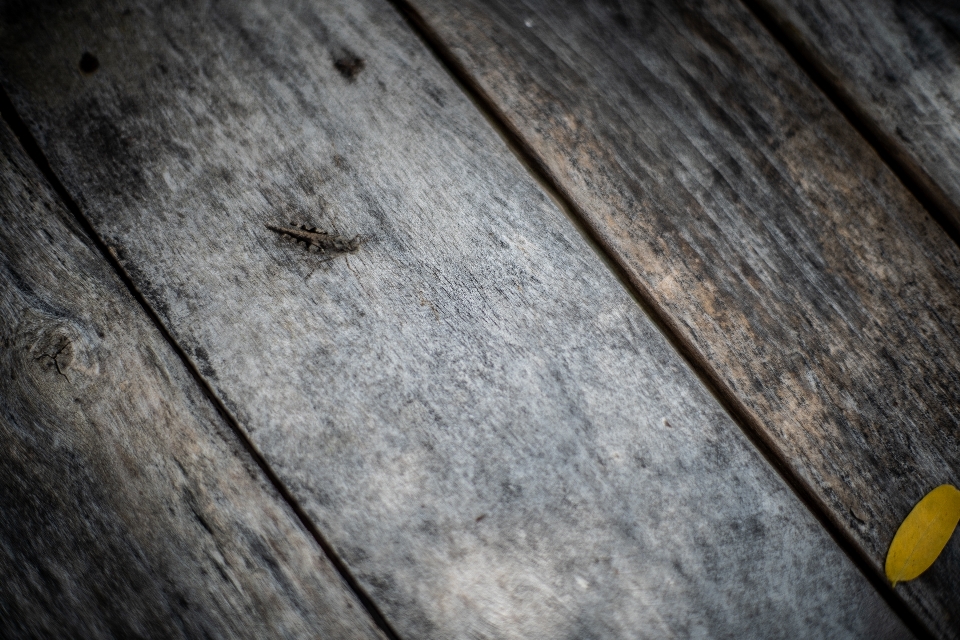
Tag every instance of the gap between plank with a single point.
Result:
(931, 197)
(705, 372)
(9, 114)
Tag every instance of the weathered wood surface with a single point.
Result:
(782, 252)
(478, 416)
(128, 508)
(894, 65)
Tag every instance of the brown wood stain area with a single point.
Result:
(893, 68)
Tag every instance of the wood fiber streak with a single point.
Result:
(128, 509)
(476, 414)
(895, 65)
(800, 272)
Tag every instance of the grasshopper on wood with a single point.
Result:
(325, 242)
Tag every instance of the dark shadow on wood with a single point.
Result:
(9, 114)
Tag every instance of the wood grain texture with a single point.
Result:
(804, 278)
(894, 65)
(475, 412)
(128, 509)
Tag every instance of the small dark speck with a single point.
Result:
(89, 63)
(480, 517)
(666, 423)
(349, 66)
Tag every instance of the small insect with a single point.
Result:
(326, 242)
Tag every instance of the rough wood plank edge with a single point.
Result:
(29, 144)
(705, 371)
(913, 176)
(876, 575)
(218, 552)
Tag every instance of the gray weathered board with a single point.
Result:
(796, 268)
(477, 415)
(895, 65)
(128, 508)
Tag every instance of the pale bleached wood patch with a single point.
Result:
(800, 272)
(476, 413)
(128, 508)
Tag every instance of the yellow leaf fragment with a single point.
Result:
(923, 534)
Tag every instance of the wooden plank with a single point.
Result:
(893, 67)
(129, 508)
(493, 436)
(804, 279)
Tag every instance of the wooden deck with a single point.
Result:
(651, 328)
